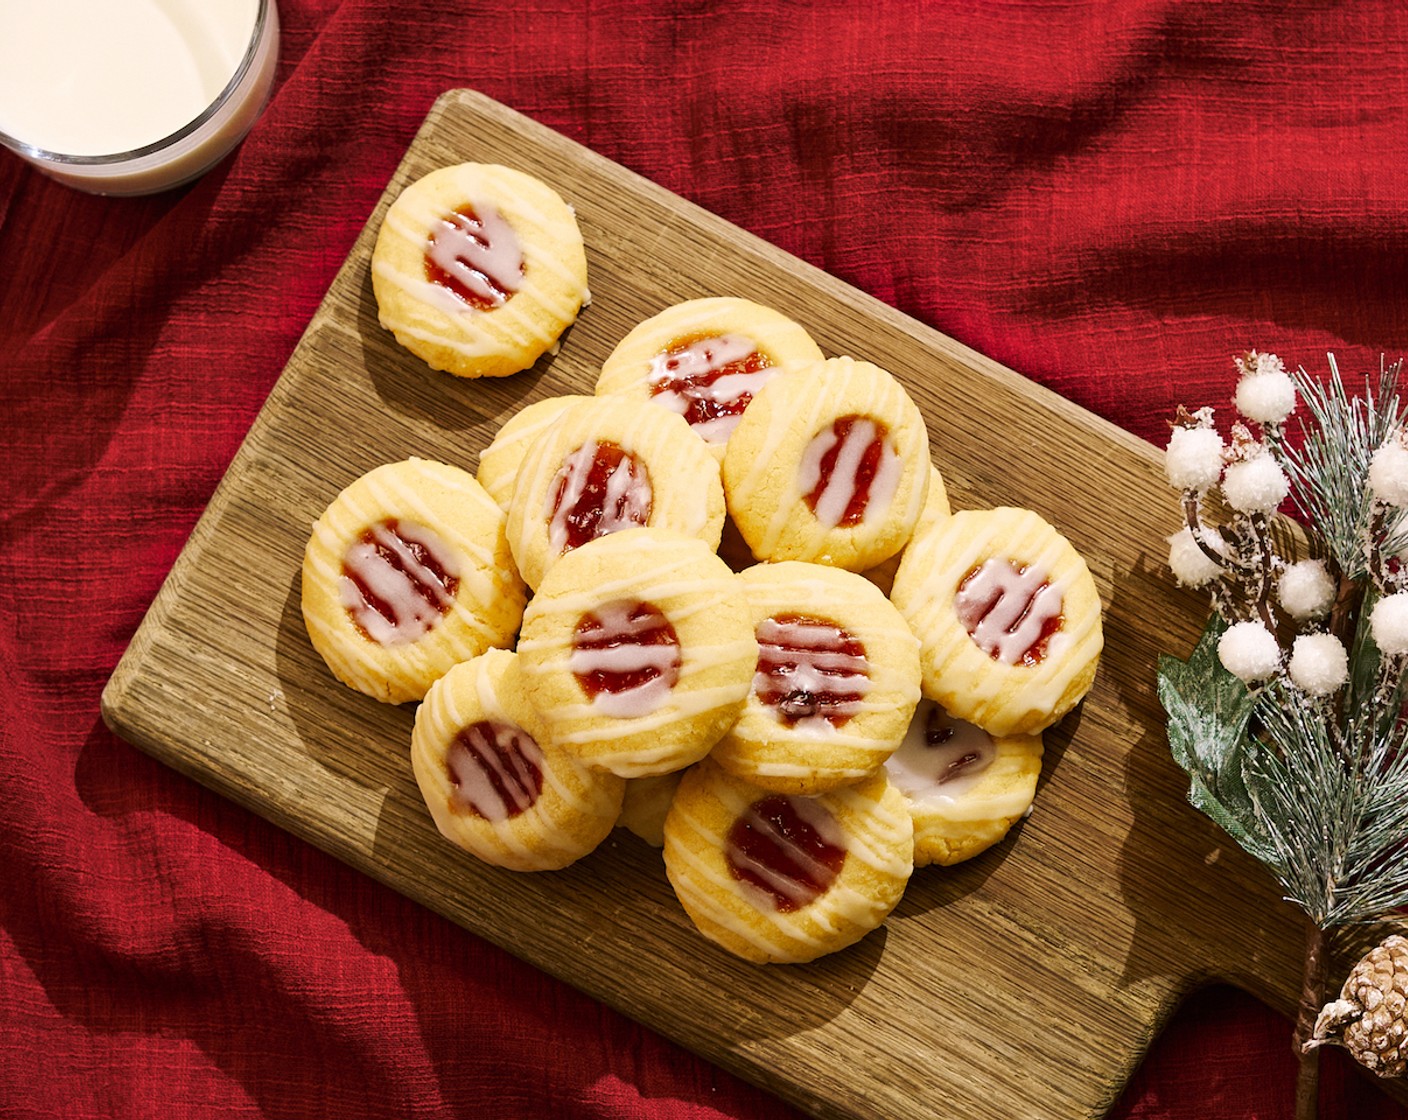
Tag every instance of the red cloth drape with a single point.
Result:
(1109, 198)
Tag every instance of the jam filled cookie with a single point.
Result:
(494, 783)
(608, 464)
(779, 879)
(829, 464)
(499, 462)
(406, 573)
(936, 508)
(1007, 616)
(706, 359)
(647, 801)
(478, 269)
(965, 788)
(836, 682)
(638, 652)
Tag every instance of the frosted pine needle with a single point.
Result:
(1288, 718)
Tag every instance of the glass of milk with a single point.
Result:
(129, 97)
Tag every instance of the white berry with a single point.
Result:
(1389, 623)
(1319, 664)
(1255, 485)
(1388, 473)
(1306, 590)
(1248, 650)
(1194, 459)
(1267, 398)
(1191, 566)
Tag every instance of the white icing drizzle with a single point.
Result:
(944, 558)
(707, 886)
(877, 840)
(840, 489)
(481, 253)
(658, 588)
(941, 758)
(681, 499)
(698, 360)
(399, 490)
(1005, 609)
(775, 880)
(563, 777)
(414, 592)
(884, 484)
(671, 575)
(803, 656)
(492, 766)
(681, 705)
(625, 505)
(411, 219)
(815, 413)
(509, 323)
(629, 656)
(779, 769)
(499, 462)
(663, 570)
(550, 827)
(394, 490)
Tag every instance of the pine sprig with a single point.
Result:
(1326, 814)
(1327, 472)
(1321, 800)
(1288, 717)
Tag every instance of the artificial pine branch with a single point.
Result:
(1328, 472)
(1289, 716)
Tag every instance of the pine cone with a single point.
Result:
(1370, 1019)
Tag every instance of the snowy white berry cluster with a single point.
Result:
(1264, 597)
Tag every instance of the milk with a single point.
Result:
(82, 82)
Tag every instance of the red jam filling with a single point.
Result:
(396, 582)
(495, 770)
(1010, 612)
(625, 647)
(787, 847)
(810, 668)
(599, 489)
(852, 453)
(713, 376)
(475, 256)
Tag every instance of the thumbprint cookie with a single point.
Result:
(406, 573)
(836, 682)
(478, 269)
(494, 783)
(780, 879)
(608, 464)
(647, 801)
(936, 508)
(965, 788)
(637, 651)
(829, 464)
(499, 462)
(1007, 616)
(705, 359)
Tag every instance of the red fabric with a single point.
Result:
(1109, 198)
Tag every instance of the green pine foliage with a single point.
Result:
(1327, 471)
(1315, 788)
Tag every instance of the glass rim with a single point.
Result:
(256, 39)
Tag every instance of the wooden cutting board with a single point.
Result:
(1027, 982)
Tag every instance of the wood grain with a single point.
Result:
(1027, 982)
